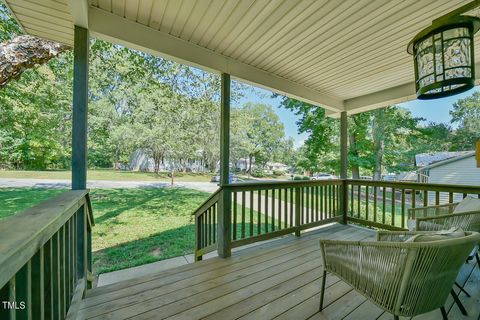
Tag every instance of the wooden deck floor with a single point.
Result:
(279, 279)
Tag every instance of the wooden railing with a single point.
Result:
(206, 226)
(265, 210)
(45, 258)
(385, 205)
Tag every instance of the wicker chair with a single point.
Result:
(399, 276)
(441, 217)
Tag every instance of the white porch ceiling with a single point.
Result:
(343, 55)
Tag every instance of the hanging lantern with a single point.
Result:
(444, 58)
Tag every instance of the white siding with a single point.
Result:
(461, 172)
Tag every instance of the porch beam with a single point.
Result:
(118, 30)
(79, 11)
(225, 202)
(80, 108)
(402, 93)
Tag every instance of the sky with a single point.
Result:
(432, 110)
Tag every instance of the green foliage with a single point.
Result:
(258, 133)
(301, 178)
(466, 114)
(9, 28)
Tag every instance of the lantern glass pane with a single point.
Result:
(427, 80)
(423, 44)
(456, 52)
(458, 73)
(425, 62)
(438, 57)
(455, 33)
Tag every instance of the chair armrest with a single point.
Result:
(431, 210)
(465, 220)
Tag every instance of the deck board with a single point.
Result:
(279, 279)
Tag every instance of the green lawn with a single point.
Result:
(133, 226)
(104, 174)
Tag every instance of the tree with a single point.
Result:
(321, 148)
(21, 52)
(257, 133)
(466, 114)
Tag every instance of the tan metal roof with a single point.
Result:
(344, 55)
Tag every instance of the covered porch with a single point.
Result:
(275, 280)
(308, 50)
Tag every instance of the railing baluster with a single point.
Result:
(450, 197)
(23, 291)
(285, 208)
(317, 212)
(437, 198)
(322, 211)
(259, 210)
(351, 186)
(273, 210)
(266, 210)
(215, 222)
(366, 201)
(359, 201)
(375, 204)
(306, 205)
(298, 210)
(393, 206)
(209, 215)
(63, 272)
(243, 214)
(56, 276)
(291, 208)
(234, 203)
(251, 213)
(384, 203)
(425, 198)
(279, 209)
(37, 274)
(403, 208)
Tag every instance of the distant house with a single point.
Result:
(458, 170)
(276, 166)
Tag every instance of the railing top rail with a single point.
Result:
(207, 203)
(22, 235)
(417, 186)
(283, 184)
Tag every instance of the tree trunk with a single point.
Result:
(354, 152)
(250, 159)
(25, 52)
(378, 132)
(380, 148)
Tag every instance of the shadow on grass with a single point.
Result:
(110, 203)
(15, 200)
(160, 246)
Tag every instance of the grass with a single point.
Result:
(133, 226)
(105, 174)
(14, 200)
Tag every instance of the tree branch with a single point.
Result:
(25, 52)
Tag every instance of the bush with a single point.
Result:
(301, 178)
(278, 173)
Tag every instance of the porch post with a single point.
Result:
(79, 142)
(343, 165)
(225, 203)
(80, 101)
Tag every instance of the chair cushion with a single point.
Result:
(468, 204)
(439, 235)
